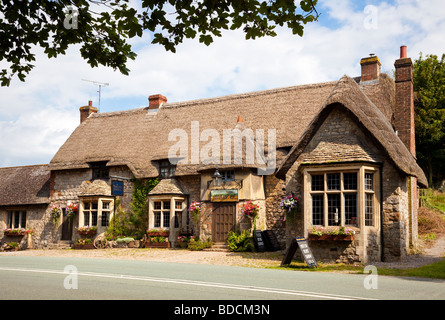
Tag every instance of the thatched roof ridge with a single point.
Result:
(348, 95)
(25, 185)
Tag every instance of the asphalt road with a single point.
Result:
(105, 279)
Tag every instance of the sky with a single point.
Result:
(37, 116)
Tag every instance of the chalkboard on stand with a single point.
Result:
(302, 244)
(271, 241)
(259, 243)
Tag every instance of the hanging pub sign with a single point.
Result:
(117, 188)
(224, 195)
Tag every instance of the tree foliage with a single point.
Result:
(429, 86)
(103, 27)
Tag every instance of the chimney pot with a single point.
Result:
(403, 52)
(155, 101)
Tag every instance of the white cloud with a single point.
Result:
(36, 117)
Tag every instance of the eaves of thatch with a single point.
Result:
(27, 185)
(349, 96)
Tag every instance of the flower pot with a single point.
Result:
(330, 237)
(83, 246)
(149, 244)
(183, 244)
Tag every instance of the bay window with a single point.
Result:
(95, 211)
(340, 196)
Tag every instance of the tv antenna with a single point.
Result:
(100, 84)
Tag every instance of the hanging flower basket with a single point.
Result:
(71, 211)
(55, 213)
(195, 210)
(251, 210)
(290, 205)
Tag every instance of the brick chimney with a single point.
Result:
(370, 68)
(86, 111)
(155, 101)
(404, 108)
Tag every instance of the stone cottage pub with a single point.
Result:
(345, 148)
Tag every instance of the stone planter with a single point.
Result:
(330, 237)
(164, 245)
(83, 246)
(12, 249)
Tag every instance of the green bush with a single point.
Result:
(239, 241)
(196, 244)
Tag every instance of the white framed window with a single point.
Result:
(341, 196)
(96, 212)
(16, 219)
(167, 212)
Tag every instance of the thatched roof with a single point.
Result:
(24, 185)
(167, 186)
(349, 96)
(138, 138)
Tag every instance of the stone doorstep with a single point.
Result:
(61, 244)
(219, 246)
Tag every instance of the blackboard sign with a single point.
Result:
(302, 244)
(271, 241)
(259, 243)
(117, 188)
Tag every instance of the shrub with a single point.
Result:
(196, 245)
(239, 241)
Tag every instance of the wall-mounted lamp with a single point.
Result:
(217, 178)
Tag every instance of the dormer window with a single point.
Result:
(166, 169)
(100, 170)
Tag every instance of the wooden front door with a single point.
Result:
(223, 220)
(67, 227)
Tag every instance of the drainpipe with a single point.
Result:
(382, 238)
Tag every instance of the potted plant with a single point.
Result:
(11, 246)
(195, 209)
(55, 213)
(158, 232)
(183, 241)
(251, 210)
(87, 231)
(83, 244)
(128, 241)
(157, 242)
(18, 232)
(341, 234)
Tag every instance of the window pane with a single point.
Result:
(317, 182)
(351, 209)
(369, 210)
(23, 219)
(166, 219)
(87, 206)
(369, 181)
(166, 205)
(317, 210)
(178, 205)
(86, 218)
(106, 205)
(16, 219)
(157, 205)
(157, 222)
(105, 219)
(94, 218)
(334, 209)
(94, 205)
(333, 181)
(9, 220)
(350, 181)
